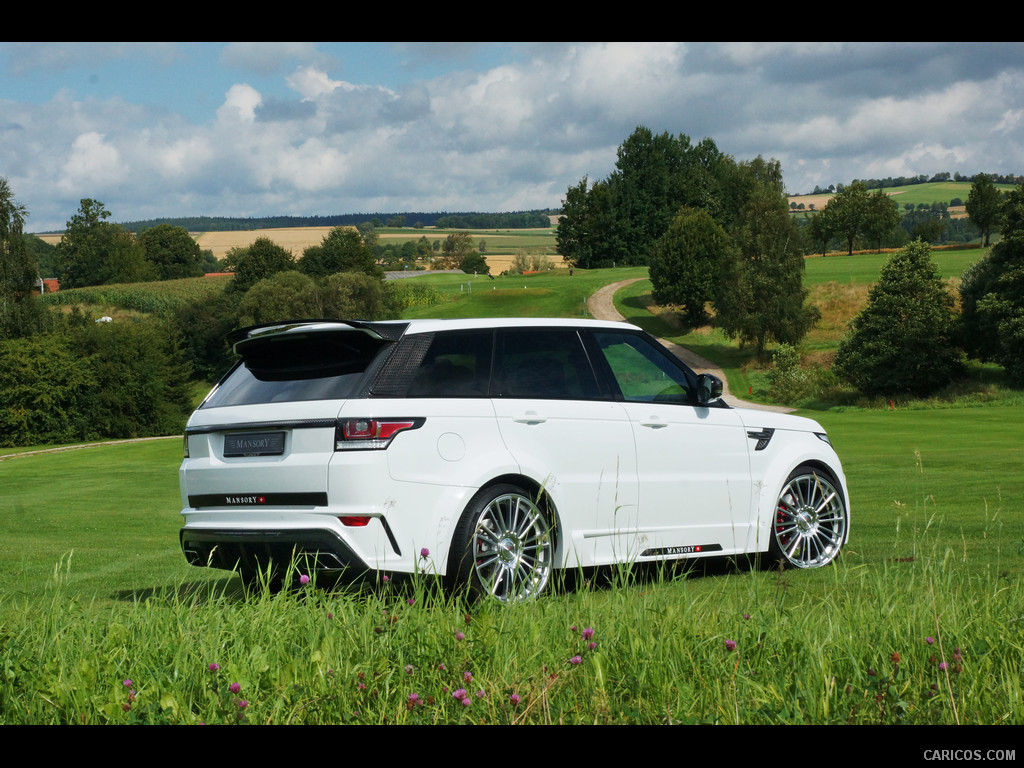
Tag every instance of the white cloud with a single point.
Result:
(93, 162)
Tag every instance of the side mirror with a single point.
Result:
(709, 388)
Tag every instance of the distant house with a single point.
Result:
(47, 285)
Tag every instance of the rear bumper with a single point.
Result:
(252, 550)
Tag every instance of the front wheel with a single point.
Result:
(810, 520)
(504, 546)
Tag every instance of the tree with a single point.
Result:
(456, 247)
(992, 296)
(904, 341)
(761, 296)
(356, 295)
(263, 259)
(686, 261)
(95, 252)
(343, 249)
(881, 217)
(287, 295)
(20, 312)
(475, 263)
(846, 212)
(172, 252)
(617, 220)
(984, 206)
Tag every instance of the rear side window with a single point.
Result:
(543, 363)
(296, 367)
(457, 364)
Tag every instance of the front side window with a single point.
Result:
(643, 372)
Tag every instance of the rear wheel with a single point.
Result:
(810, 520)
(504, 546)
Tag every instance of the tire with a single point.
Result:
(504, 546)
(811, 520)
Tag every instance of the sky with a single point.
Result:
(257, 129)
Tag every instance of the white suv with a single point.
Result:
(491, 452)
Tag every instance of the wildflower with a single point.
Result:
(467, 676)
(441, 667)
(303, 579)
(746, 616)
(730, 645)
(243, 704)
(480, 694)
(459, 694)
(588, 633)
(424, 552)
(126, 707)
(127, 683)
(385, 579)
(408, 669)
(412, 601)
(895, 658)
(214, 667)
(943, 666)
(413, 698)
(467, 701)
(576, 660)
(592, 645)
(514, 698)
(930, 640)
(330, 615)
(234, 687)
(573, 627)
(956, 655)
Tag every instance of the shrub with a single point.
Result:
(903, 342)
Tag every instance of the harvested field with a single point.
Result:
(294, 239)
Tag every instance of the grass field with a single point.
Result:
(97, 593)
(920, 620)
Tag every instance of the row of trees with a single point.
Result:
(94, 251)
(64, 378)
(713, 231)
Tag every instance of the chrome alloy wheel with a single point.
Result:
(512, 548)
(810, 520)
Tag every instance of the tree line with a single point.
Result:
(415, 219)
(714, 232)
(721, 246)
(65, 377)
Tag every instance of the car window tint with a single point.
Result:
(457, 364)
(547, 363)
(642, 371)
(285, 368)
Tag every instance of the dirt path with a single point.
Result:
(602, 307)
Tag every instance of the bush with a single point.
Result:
(904, 341)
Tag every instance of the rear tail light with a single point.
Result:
(370, 434)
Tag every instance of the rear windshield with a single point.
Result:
(291, 367)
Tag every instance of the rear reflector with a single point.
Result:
(354, 521)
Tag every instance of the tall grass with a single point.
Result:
(910, 641)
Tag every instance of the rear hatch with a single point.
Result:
(265, 435)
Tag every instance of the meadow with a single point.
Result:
(921, 621)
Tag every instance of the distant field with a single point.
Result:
(915, 194)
